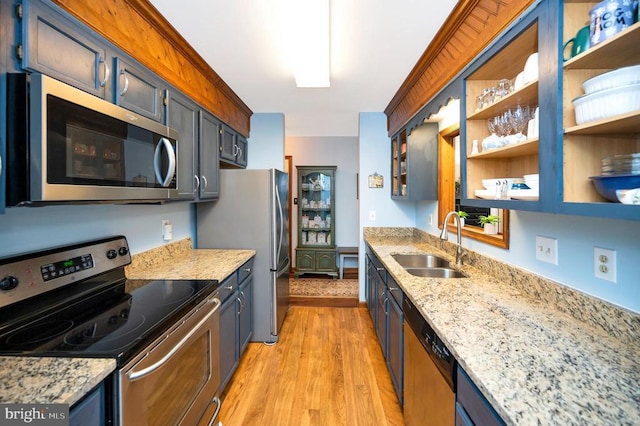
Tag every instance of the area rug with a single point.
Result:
(323, 287)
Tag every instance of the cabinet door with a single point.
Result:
(208, 158)
(228, 146)
(138, 89)
(59, 47)
(305, 260)
(182, 115)
(228, 341)
(242, 153)
(369, 291)
(381, 313)
(245, 313)
(326, 261)
(395, 356)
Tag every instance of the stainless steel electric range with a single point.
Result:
(75, 301)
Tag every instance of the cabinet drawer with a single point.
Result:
(245, 270)
(228, 287)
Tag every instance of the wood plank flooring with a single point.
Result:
(326, 369)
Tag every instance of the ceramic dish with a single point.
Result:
(524, 194)
(485, 194)
(629, 196)
(616, 78)
(607, 103)
(608, 185)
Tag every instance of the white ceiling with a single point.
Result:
(375, 44)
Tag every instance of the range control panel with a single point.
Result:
(27, 275)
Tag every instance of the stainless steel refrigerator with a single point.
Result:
(253, 213)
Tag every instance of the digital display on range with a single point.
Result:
(51, 271)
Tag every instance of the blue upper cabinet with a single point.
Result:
(53, 44)
(502, 91)
(566, 149)
(606, 122)
(138, 89)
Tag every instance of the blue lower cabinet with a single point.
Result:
(472, 408)
(90, 411)
(236, 320)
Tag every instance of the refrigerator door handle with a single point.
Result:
(279, 204)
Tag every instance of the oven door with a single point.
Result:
(176, 378)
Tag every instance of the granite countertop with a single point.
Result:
(66, 380)
(31, 380)
(541, 353)
(178, 261)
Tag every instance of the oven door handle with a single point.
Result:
(135, 375)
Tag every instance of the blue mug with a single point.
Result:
(610, 17)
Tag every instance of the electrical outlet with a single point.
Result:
(604, 264)
(167, 230)
(547, 249)
(372, 215)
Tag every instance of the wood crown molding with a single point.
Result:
(140, 30)
(469, 28)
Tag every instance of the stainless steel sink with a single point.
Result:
(420, 261)
(436, 272)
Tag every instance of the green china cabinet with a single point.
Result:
(316, 250)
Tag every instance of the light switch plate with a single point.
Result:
(547, 249)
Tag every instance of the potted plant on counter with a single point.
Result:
(489, 223)
(462, 215)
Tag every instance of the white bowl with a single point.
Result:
(531, 68)
(607, 103)
(609, 80)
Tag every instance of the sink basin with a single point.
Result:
(420, 261)
(436, 272)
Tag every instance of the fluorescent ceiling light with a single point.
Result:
(304, 27)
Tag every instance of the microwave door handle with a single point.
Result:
(135, 375)
(171, 155)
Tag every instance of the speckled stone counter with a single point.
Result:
(25, 380)
(179, 261)
(540, 352)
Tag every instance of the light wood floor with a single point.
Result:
(326, 369)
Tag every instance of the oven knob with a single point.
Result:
(111, 254)
(123, 251)
(8, 283)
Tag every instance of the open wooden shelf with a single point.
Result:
(528, 147)
(525, 96)
(620, 50)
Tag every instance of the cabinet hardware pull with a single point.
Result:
(247, 270)
(379, 269)
(197, 182)
(107, 72)
(229, 287)
(19, 11)
(215, 400)
(204, 181)
(19, 52)
(150, 369)
(126, 82)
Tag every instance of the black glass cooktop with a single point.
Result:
(116, 321)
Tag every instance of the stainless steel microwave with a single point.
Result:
(65, 145)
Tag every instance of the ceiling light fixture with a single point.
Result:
(304, 27)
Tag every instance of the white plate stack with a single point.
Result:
(532, 181)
